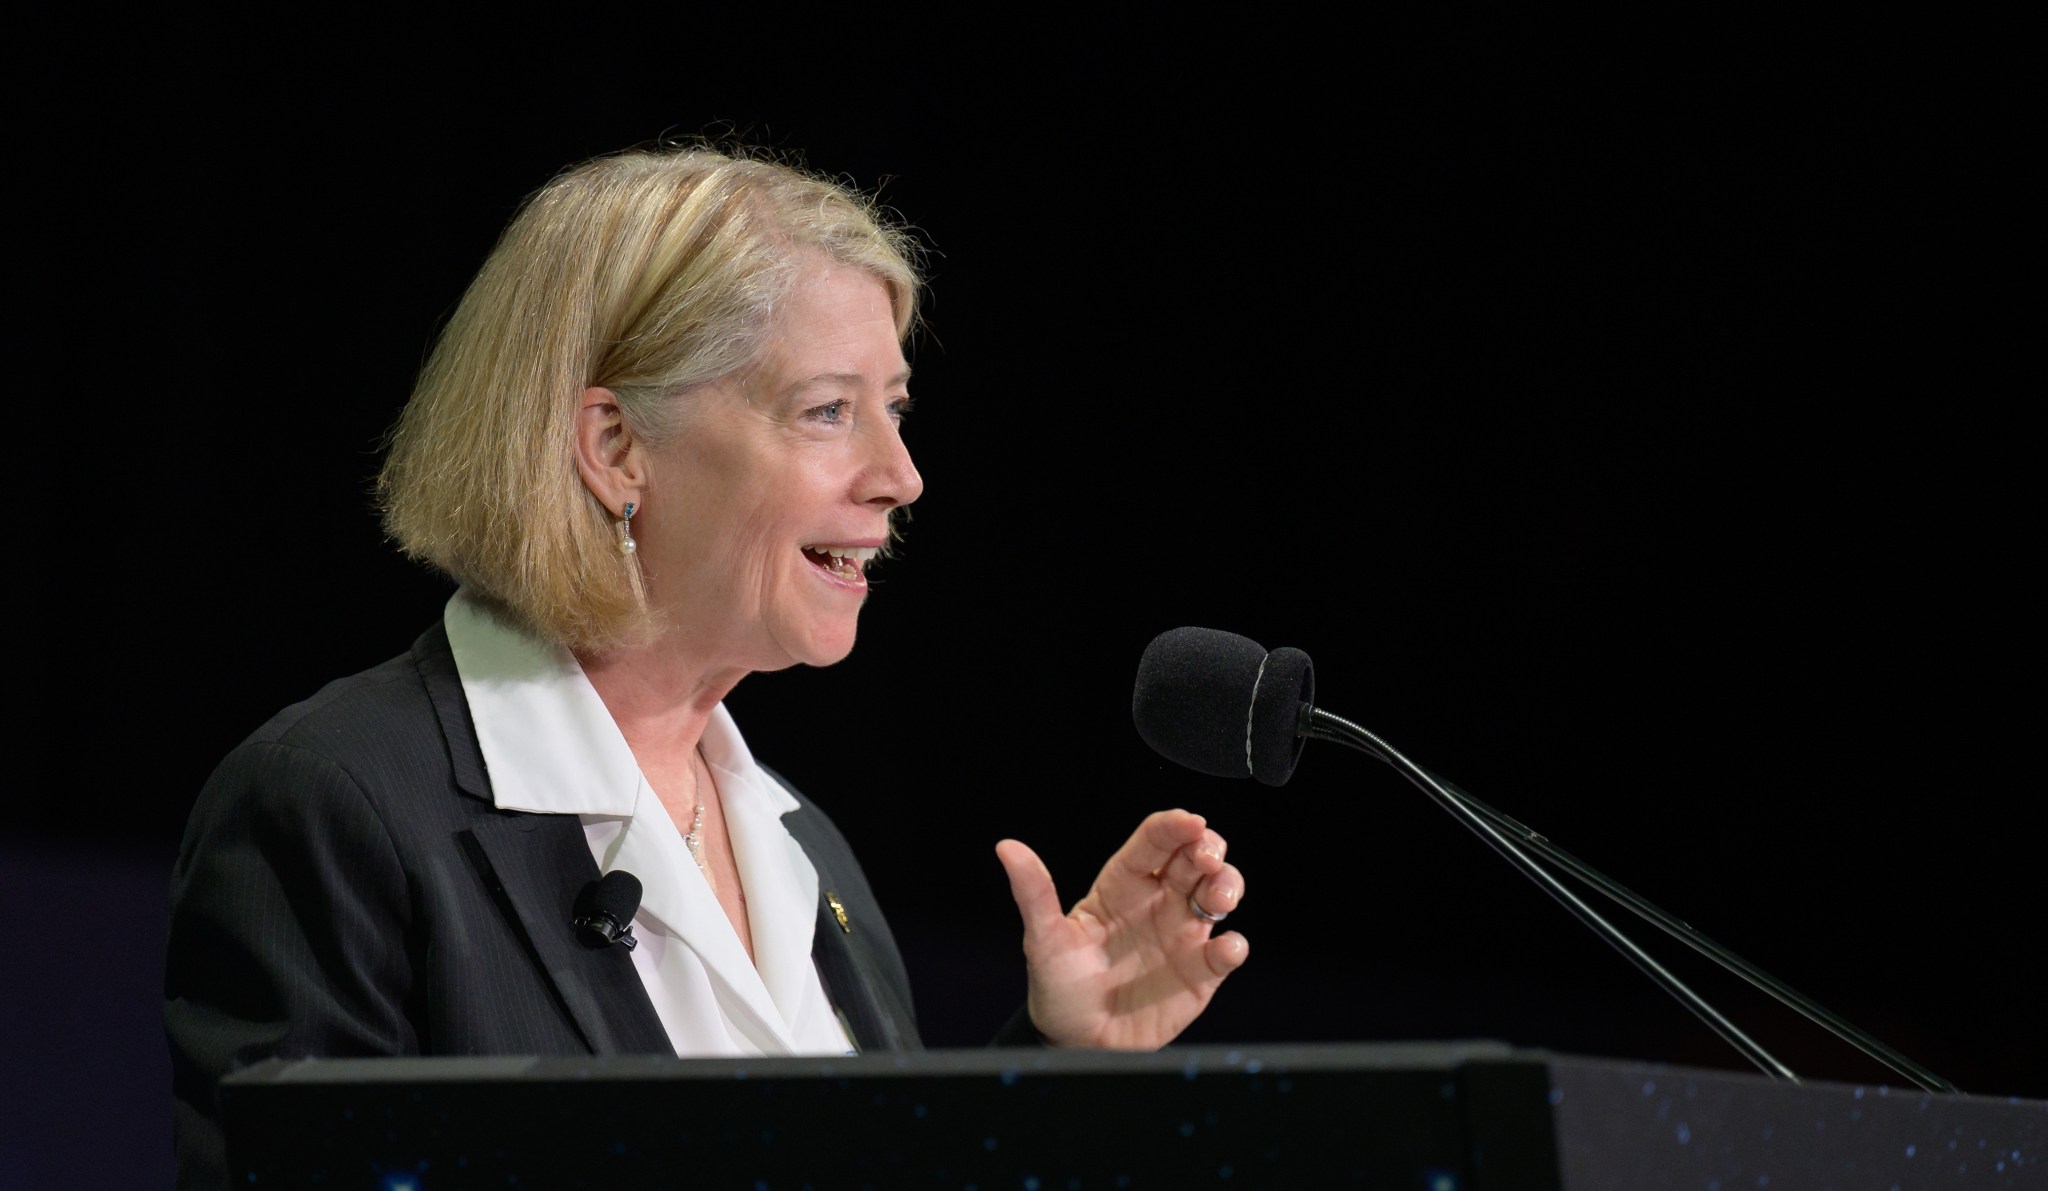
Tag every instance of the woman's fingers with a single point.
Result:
(1173, 852)
(1226, 953)
(1194, 870)
(1031, 885)
(1194, 862)
(1220, 892)
(1155, 843)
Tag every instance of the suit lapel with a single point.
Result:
(539, 864)
(873, 1012)
(536, 865)
(844, 948)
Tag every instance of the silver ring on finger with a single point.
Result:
(1204, 915)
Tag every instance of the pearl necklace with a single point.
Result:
(695, 839)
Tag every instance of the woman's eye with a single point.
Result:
(833, 412)
(901, 407)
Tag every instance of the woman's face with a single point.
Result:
(760, 515)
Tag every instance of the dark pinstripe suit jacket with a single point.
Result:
(347, 887)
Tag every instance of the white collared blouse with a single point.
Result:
(551, 747)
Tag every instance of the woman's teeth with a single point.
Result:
(845, 561)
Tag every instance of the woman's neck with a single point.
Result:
(660, 702)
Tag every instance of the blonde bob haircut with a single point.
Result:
(648, 273)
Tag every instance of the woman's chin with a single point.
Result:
(819, 646)
(832, 655)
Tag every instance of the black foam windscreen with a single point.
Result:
(616, 895)
(1220, 704)
(1289, 681)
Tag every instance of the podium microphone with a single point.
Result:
(1223, 705)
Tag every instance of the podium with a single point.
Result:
(1474, 1116)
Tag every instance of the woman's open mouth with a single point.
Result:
(845, 563)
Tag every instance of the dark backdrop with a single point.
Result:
(1624, 419)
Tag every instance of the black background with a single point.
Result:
(1629, 421)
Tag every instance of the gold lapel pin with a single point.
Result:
(838, 911)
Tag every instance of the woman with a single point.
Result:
(658, 445)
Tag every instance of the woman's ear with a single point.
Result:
(612, 460)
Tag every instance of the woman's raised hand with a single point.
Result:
(1135, 960)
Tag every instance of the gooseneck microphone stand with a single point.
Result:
(1497, 829)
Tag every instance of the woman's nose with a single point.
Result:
(890, 478)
